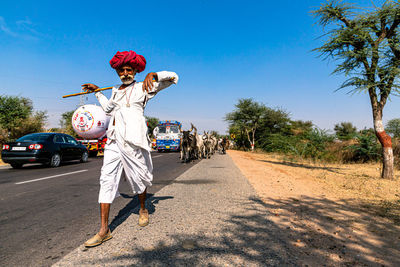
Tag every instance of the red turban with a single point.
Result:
(128, 57)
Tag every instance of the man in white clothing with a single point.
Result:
(128, 146)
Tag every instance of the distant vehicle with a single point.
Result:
(168, 135)
(46, 148)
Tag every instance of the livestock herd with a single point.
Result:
(197, 146)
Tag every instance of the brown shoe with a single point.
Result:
(143, 218)
(97, 240)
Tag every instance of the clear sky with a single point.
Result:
(222, 51)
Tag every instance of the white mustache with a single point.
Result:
(127, 77)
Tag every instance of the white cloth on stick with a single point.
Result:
(128, 145)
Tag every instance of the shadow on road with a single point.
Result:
(133, 208)
(188, 182)
(290, 232)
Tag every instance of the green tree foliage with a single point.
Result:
(13, 110)
(18, 119)
(33, 124)
(66, 123)
(300, 127)
(152, 123)
(393, 127)
(277, 132)
(248, 116)
(345, 130)
(240, 137)
(366, 149)
(365, 43)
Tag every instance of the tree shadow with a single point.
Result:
(302, 165)
(133, 208)
(280, 232)
(188, 182)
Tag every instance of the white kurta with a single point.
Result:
(128, 145)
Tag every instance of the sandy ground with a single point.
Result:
(343, 213)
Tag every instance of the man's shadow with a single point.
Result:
(133, 207)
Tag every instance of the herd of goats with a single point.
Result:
(196, 146)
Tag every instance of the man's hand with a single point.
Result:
(89, 87)
(148, 81)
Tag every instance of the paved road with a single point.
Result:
(47, 212)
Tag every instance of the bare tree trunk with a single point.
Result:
(251, 142)
(387, 150)
(252, 145)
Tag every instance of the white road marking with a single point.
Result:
(50, 177)
(157, 156)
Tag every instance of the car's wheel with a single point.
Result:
(55, 160)
(16, 165)
(85, 156)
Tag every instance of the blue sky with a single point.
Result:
(222, 51)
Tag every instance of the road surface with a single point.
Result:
(47, 212)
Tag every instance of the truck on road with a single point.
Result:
(168, 135)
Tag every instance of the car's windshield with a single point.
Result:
(34, 137)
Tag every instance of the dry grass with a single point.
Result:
(342, 181)
(344, 214)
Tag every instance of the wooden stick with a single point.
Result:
(89, 92)
(101, 89)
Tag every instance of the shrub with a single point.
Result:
(365, 149)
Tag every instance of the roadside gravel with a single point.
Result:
(210, 215)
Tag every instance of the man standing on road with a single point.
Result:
(128, 146)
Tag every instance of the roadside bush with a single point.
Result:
(338, 151)
(365, 149)
(310, 145)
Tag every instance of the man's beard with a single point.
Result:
(127, 79)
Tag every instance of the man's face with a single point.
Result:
(127, 74)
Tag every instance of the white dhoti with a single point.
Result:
(134, 161)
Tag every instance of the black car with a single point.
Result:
(46, 148)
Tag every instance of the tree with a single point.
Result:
(18, 119)
(152, 122)
(66, 123)
(393, 127)
(239, 136)
(248, 115)
(13, 111)
(366, 44)
(300, 127)
(33, 124)
(345, 131)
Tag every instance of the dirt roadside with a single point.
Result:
(344, 213)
